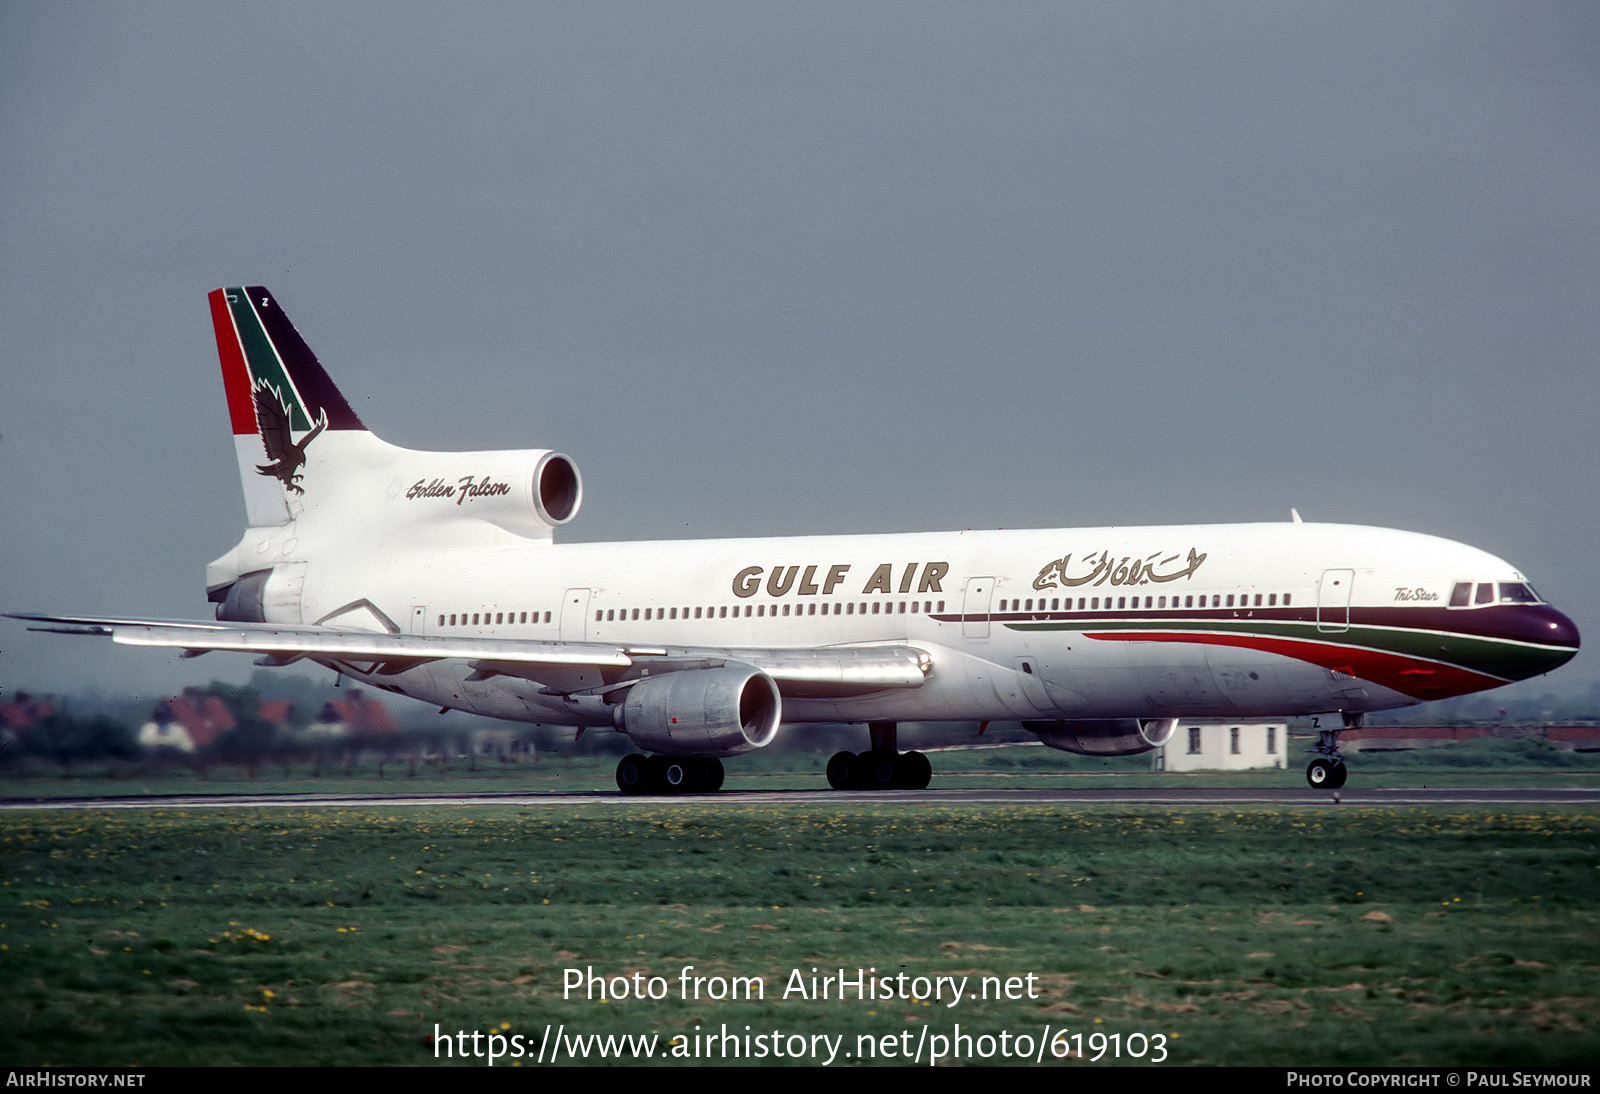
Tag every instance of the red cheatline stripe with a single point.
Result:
(235, 374)
(1411, 676)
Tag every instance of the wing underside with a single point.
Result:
(558, 667)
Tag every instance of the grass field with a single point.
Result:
(1316, 935)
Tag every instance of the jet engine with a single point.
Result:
(702, 712)
(1112, 737)
(528, 492)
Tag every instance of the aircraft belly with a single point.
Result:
(1084, 678)
(1260, 683)
(1176, 679)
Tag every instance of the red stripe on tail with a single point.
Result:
(235, 374)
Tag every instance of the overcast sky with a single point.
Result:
(773, 269)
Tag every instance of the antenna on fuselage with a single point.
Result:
(1294, 515)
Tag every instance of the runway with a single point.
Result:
(1063, 798)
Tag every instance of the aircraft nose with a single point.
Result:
(1551, 629)
(1563, 631)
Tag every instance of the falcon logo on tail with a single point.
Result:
(273, 419)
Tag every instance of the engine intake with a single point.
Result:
(702, 712)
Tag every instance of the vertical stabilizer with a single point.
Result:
(280, 400)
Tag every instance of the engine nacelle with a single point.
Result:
(1112, 737)
(528, 492)
(702, 712)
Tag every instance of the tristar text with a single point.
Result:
(888, 577)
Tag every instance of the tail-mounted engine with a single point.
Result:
(528, 492)
(702, 712)
(1112, 737)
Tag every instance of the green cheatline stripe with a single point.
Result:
(263, 359)
(1489, 656)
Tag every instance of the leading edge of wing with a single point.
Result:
(818, 671)
(278, 638)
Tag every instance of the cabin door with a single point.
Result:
(575, 615)
(1333, 600)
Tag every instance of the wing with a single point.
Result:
(559, 667)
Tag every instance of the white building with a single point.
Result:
(1223, 746)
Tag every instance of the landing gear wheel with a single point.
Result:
(633, 774)
(1339, 774)
(842, 768)
(710, 775)
(883, 770)
(917, 771)
(1321, 773)
(678, 775)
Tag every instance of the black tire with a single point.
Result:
(842, 770)
(710, 775)
(918, 771)
(633, 774)
(883, 770)
(656, 775)
(1320, 774)
(1339, 775)
(678, 775)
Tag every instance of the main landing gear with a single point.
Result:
(1326, 771)
(638, 774)
(882, 768)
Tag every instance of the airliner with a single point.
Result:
(436, 575)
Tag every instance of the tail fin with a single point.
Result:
(279, 399)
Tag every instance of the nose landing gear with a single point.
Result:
(1327, 771)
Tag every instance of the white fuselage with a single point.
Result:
(1019, 623)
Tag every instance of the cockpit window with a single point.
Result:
(1461, 595)
(1515, 592)
(1485, 593)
